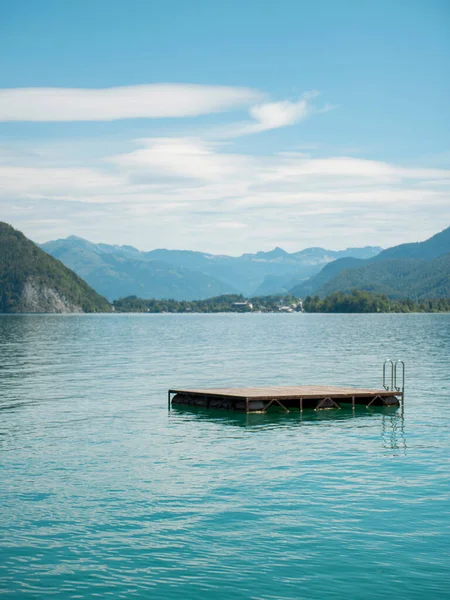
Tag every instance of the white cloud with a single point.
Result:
(191, 193)
(345, 168)
(191, 172)
(279, 114)
(33, 182)
(109, 104)
(181, 158)
(156, 101)
(273, 115)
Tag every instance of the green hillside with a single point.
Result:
(328, 272)
(33, 281)
(418, 271)
(435, 246)
(401, 278)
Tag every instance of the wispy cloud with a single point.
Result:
(273, 115)
(109, 104)
(199, 191)
(183, 158)
(186, 192)
(47, 182)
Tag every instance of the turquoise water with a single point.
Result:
(104, 493)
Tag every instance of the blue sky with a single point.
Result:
(225, 126)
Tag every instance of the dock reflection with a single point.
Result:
(280, 418)
(393, 431)
(392, 420)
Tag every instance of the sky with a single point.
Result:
(226, 127)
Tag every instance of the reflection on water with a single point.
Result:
(393, 431)
(391, 420)
(105, 493)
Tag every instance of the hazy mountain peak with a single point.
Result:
(277, 252)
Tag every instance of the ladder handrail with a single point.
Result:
(393, 365)
(387, 362)
(402, 389)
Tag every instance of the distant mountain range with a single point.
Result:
(119, 271)
(418, 271)
(32, 281)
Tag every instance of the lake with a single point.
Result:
(105, 493)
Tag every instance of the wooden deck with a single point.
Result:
(294, 397)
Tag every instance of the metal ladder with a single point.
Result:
(390, 376)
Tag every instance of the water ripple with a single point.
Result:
(104, 493)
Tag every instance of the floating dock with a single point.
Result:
(287, 398)
(317, 397)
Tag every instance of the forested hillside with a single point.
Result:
(402, 278)
(433, 247)
(415, 271)
(328, 272)
(33, 281)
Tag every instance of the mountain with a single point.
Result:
(276, 253)
(32, 281)
(419, 271)
(329, 271)
(309, 262)
(321, 253)
(397, 278)
(435, 246)
(118, 271)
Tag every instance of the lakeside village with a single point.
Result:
(247, 306)
(357, 301)
(226, 303)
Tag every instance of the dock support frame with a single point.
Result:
(373, 400)
(319, 405)
(278, 402)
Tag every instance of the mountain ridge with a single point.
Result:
(117, 271)
(418, 270)
(33, 281)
